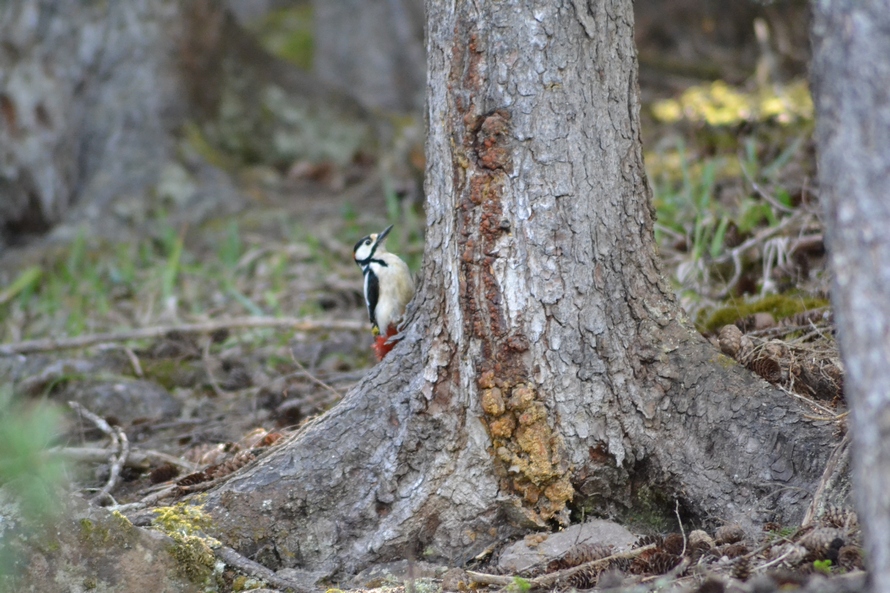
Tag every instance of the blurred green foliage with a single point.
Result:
(288, 33)
(686, 202)
(728, 166)
(26, 469)
(24, 282)
(29, 477)
(407, 236)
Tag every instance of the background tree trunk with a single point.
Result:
(545, 365)
(851, 76)
(74, 122)
(94, 96)
(372, 50)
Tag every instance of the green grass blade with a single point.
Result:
(26, 280)
(171, 267)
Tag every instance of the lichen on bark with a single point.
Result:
(526, 449)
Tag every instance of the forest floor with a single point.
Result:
(259, 325)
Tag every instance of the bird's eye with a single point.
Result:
(367, 241)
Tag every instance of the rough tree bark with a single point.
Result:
(851, 75)
(545, 364)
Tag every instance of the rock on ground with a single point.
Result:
(529, 551)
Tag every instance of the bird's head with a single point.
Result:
(365, 249)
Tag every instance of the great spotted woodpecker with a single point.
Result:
(388, 288)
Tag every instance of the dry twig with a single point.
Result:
(313, 378)
(547, 580)
(680, 523)
(205, 360)
(809, 401)
(255, 569)
(139, 459)
(769, 545)
(119, 441)
(145, 502)
(134, 361)
(293, 323)
(763, 194)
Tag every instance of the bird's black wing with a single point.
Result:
(372, 295)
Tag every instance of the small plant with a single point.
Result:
(23, 284)
(173, 245)
(25, 467)
(823, 566)
(29, 476)
(519, 585)
(231, 247)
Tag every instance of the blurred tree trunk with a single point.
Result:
(74, 122)
(546, 366)
(94, 97)
(851, 75)
(373, 50)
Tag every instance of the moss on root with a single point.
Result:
(192, 550)
(779, 306)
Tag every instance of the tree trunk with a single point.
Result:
(93, 97)
(851, 80)
(372, 50)
(73, 122)
(545, 366)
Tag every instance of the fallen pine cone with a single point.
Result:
(741, 570)
(163, 473)
(729, 534)
(850, 558)
(820, 540)
(768, 368)
(730, 340)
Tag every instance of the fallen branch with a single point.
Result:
(137, 459)
(145, 502)
(313, 378)
(293, 323)
(546, 580)
(119, 441)
(255, 569)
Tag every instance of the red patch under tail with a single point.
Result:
(382, 345)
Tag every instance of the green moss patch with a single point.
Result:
(779, 306)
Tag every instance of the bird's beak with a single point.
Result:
(382, 235)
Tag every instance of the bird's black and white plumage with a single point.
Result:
(388, 282)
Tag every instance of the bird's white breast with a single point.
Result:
(396, 289)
